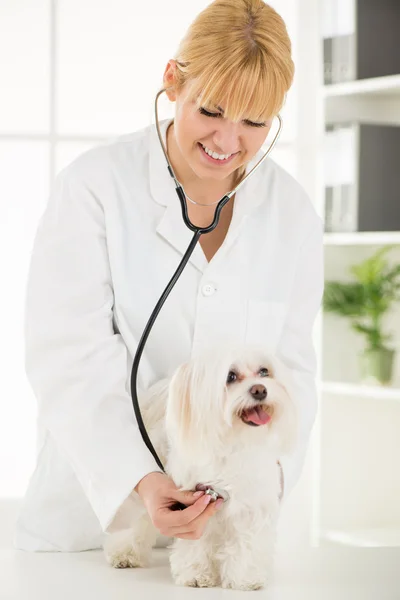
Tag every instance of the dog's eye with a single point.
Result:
(263, 372)
(231, 377)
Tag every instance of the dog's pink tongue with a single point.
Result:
(257, 415)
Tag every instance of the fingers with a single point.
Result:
(195, 528)
(183, 517)
(165, 519)
(187, 498)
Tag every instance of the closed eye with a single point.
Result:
(207, 113)
(217, 115)
(254, 123)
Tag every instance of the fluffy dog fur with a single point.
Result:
(198, 426)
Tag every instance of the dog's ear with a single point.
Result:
(288, 420)
(194, 420)
(179, 412)
(288, 425)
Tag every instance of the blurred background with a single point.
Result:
(76, 73)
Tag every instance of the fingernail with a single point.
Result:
(219, 504)
(206, 498)
(198, 494)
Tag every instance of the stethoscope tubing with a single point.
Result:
(142, 342)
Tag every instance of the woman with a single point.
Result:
(109, 241)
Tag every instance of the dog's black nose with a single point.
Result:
(259, 392)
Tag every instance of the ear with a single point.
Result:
(288, 424)
(178, 417)
(194, 420)
(169, 80)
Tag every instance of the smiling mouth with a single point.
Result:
(216, 161)
(256, 415)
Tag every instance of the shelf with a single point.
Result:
(377, 86)
(368, 238)
(360, 390)
(365, 538)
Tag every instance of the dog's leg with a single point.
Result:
(247, 559)
(192, 563)
(131, 547)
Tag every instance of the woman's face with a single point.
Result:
(198, 133)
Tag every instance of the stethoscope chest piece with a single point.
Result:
(214, 492)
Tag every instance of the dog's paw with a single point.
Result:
(244, 586)
(127, 559)
(203, 580)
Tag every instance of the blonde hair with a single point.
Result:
(237, 53)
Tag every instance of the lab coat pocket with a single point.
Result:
(265, 321)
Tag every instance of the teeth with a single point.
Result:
(215, 155)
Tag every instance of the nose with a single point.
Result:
(226, 137)
(259, 392)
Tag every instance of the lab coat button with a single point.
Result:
(208, 289)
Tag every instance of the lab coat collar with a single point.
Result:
(171, 225)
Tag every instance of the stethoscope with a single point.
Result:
(198, 231)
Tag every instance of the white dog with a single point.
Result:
(224, 420)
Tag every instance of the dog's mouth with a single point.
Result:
(257, 415)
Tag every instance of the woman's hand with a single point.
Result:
(159, 493)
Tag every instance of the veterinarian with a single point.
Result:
(108, 242)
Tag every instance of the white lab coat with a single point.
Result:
(108, 242)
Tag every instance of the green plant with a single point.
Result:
(365, 300)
